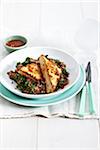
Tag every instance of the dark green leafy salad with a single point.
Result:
(29, 77)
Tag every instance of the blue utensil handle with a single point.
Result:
(91, 98)
(82, 102)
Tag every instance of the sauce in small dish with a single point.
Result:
(15, 43)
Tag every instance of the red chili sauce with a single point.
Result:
(15, 43)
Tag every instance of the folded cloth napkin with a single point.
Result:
(66, 109)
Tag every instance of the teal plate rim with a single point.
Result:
(67, 95)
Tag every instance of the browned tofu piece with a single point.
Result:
(51, 73)
(32, 70)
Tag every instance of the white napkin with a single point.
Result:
(66, 109)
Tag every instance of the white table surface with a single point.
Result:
(49, 134)
(47, 23)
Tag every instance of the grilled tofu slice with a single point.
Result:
(31, 70)
(51, 73)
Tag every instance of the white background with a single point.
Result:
(47, 23)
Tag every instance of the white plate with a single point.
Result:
(9, 63)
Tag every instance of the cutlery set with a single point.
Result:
(87, 89)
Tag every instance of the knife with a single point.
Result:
(87, 89)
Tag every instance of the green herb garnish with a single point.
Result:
(27, 61)
(57, 61)
(46, 56)
(64, 71)
(18, 64)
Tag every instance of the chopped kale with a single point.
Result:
(64, 71)
(24, 85)
(27, 61)
(18, 64)
(33, 86)
(46, 56)
(57, 62)
(60, 83)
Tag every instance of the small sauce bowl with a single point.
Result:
(15, 42)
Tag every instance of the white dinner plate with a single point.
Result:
(10, 61)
